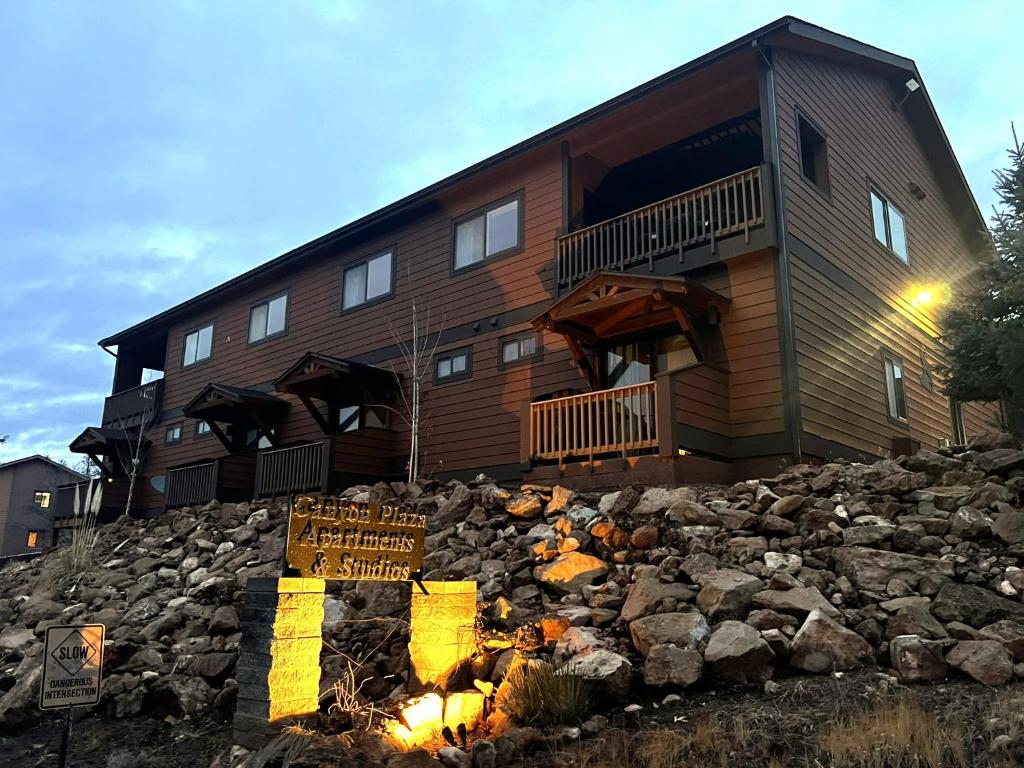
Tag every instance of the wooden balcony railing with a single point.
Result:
(133, 406)
(703, 215)
(289, 470)
(189, 486)
(612, 421)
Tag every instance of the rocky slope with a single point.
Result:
(912, 565)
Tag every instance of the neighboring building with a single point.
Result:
(736, 265)
(28, 501)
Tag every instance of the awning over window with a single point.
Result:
(613, 305)
(337, 382)
(240, 407)
(96, 442)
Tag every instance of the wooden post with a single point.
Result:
(663, 409)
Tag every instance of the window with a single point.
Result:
(198, 346)
(956, 413)
(42, 499)
(173, 434)
(487, 234)
(33, 540)
(895, 391)
(202, 428)
(640, 361)
(353, 417)
(268, 318)
(813, 154)
(255, 438)
(888, 224)
(367, 280)
(456, 364)
(512, 349)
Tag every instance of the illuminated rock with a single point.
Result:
(570, 572)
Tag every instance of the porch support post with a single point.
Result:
(525, 433)
(100, 465)
(663, 410)
(318, 417)
(219, 434)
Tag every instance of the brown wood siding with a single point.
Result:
(366, 453)
(839, 332)
(700, 398)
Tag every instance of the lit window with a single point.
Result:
(202, 428)
(889, 227)
(487, 234)
(173, 434)
(42, 499)
(198, 345)
(33, 539)
(813, 155)
(367, 280)
(268, 318)
(895, 389)
(524, 347)
(454, 364)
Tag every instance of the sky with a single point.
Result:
(149, 151)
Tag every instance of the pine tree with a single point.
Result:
(985, 328)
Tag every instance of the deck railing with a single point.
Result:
(288, 470)
(612, 421)
(703, 215)
(188, 486)
(133, 406)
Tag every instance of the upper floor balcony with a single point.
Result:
(702, 216)
(135, 406)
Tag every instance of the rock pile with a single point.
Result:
(914, 565)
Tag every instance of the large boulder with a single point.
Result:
(987, 661)
(973, 605)
(873, 569)
(668, 664)
(823, 645)
(613, 672)
(1000, 461)
(686, 630)
(990, 440)
(570, 572)
(726, 592)
(452, 510)
(1008, 527)
(737, 653)
(1010, 633)
(656, 500)
(646, 594)
(916, 659)
(18, 705)
(798, 601)
(688, 512)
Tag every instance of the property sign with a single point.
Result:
(72, 666)
(333, 538)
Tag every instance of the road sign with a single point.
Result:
(72, 666)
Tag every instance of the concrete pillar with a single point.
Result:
(442, 633)
(279, 656)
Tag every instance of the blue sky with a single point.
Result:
(151, 150)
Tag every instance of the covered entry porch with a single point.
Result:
(643, 345)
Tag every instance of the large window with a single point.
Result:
(198, 345)
(368, 280)
(457, 364)
(895, 387)
(42, 499)
(488, 233)
(813, 154)
(888, 224)
(268, 318)
(640, 361)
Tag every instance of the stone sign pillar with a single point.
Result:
(443, 632)
(279, 656)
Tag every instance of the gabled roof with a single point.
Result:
(215, 400)
(45, 459)
(787, 31)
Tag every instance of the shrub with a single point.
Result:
(538, 694)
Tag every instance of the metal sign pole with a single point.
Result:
(65, 740)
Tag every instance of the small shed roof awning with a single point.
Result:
(323, 377)
(234, 405)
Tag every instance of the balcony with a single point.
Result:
(134, 406)
(289, 470)
(705, 215)
(192, 485)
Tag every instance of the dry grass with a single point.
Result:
(541, 696)
(893, 734)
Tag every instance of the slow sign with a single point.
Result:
(72, 666)
(333, 538)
